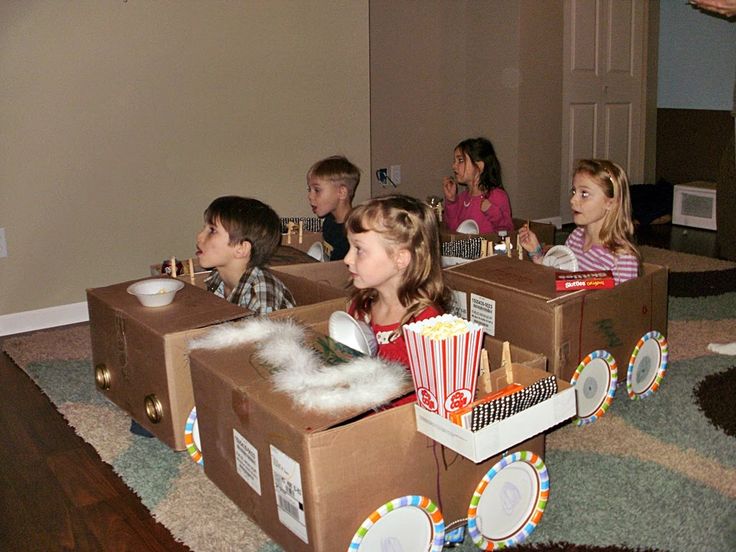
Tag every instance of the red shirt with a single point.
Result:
(395, 350)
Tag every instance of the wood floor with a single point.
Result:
(56, 493)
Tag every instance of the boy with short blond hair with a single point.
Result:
(331, 184)
(239, 237)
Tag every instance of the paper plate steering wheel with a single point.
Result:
(509, 501)
(407, 523)
(595, 386)
(647, 365)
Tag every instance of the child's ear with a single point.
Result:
(342, 191)
(243, 249)
(481, 165)
(402, 258)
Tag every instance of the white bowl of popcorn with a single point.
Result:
(156, 292)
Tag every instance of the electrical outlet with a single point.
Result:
(395, 174)
(382, 176)
(3, 244)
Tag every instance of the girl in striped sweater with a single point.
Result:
(601, 209)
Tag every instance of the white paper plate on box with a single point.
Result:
(561, 257)
(647, 365)
(509, 501)
(357, 335)
(595, 386)
(408, 523)
(468, 226)
(155, 292)
(191, 437)
(317, 251)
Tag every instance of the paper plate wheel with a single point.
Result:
(317, 251)
(408, 523)
(647, 365)
(595, 386)
(509, 501)
(561, 257)
(191, 437)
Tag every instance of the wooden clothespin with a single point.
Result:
(519, 249)
(506, 362)
(328, 249)
(190, 265)
(301, 231)
(483, 247)
(507, 243)
(484, 380)
(290, 227)
(173, 267)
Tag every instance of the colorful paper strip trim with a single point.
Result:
(192, 449)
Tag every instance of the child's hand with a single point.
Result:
(529, 240)
(449, 187)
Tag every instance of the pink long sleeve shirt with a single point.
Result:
(465, 206)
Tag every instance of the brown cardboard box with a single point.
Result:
(516, 301)
(544, 231)
(333, 273)
(144, 350)
(332, 470)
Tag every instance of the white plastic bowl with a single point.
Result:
(317, 251)
(156, 292)
(468, 226)
(351, 332)
(562, 258)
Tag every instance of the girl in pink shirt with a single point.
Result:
(485, 201)
(601, 209)
(394, 265)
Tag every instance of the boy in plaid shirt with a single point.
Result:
(239, 237)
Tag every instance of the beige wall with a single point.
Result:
(121, 121)
(445, 71)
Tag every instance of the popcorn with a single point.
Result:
(443, 329)
(444, 353)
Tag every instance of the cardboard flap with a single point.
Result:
(192, 307)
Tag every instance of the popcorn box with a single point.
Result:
(444, 352)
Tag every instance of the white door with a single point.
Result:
(604, 87)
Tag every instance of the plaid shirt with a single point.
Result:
(258, 291)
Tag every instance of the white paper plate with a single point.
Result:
(595, 385)
(191, 437)
(405, 524)
(317, 251)
(647, 365)
(561, 257)
(468, 226)
(357, 335)
(453, 261)
(509, 501)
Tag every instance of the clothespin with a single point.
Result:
(519, 249)
(506, 362)
(328, 249)
(507, 242)
(301, 231)
(483, 247)
(173, 267)
(190, 264)
(485, 386)
(290, 227)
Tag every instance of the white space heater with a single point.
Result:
(694, 204)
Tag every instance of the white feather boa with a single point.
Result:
(362, 382)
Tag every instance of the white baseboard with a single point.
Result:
(557, 221)
(51, 317)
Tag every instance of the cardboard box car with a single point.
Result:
(308, 479)
(516, 301)
(544, 231)
(144, 354)
(332, 273)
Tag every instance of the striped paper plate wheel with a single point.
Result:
(509, 501)
(595, 386)
(410, 522)
(191, 437)
(647, 365)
